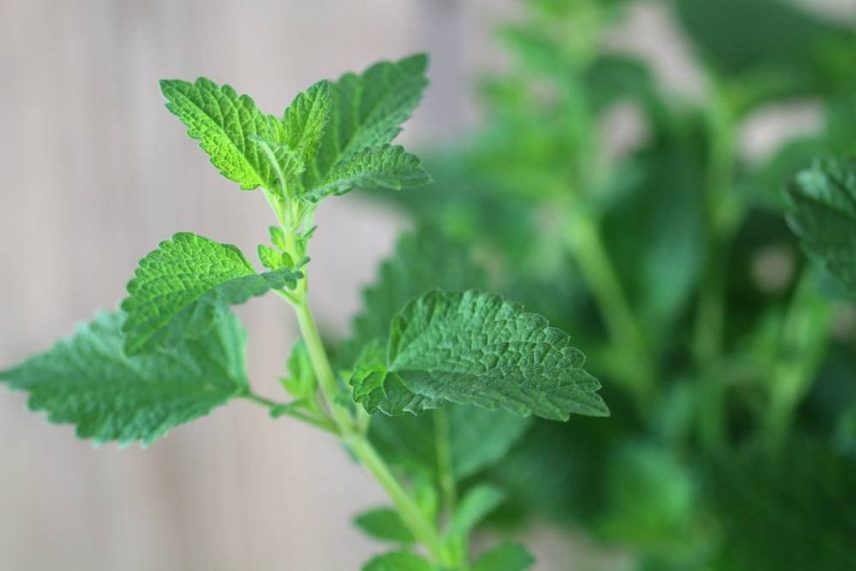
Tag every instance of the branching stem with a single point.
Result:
(353, 435)
(627, 335)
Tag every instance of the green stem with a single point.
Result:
(355, 439)
(322, 423)
(801, 349)
(586, 243)
(410, 513)
(444, 459)
(321, 365)
(720, 221)
(721, 216)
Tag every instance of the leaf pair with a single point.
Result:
(173, 354)
(333, 137)
(136, 374)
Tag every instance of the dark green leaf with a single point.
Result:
(474, 348)
(822, 212)
(788, 511)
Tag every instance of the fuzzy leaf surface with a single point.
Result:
(226, 125)
(87, 380)
(475, 348)
(185, 286)
(822, 212)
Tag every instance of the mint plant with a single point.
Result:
(468, 366)
(711, 287)
(727, 356)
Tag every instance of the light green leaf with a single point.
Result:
(474, 507)
(185, 286)
(87, 380)
(368, 109)
(301, 382)
(475, 348)
(384, 524)
(389, 167)
(277, 237)
(398, 561)
(822, 212)
(306, 119)
(505, 557)
(225, 124)
(273, 259)
(286, 165)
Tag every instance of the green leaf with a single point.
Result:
(654, 231)
(398, 561)
(478, 438)
(475, 348)
(422, 260)
(474, 507)
(822, 212)
(389, 167)
(368, 109)
(87, 380)
(652, 504)
(301, 382)
(273, 259)
(277, 237)
(306, 119)
(185, 286)
(786, 511)
(366, 115)
(505, 557)
(284, 161)
(793, 51)
(384, 524)
(226, 125)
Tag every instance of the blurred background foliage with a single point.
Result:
(727, 362)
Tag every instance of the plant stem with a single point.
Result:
(801, 349)
(410, 513)
(721, 216)
(322, 423)
(586, 243)
(321, 365)
(355, 439)
(720, 221)
(444, 459)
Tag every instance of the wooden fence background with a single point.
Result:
(95, 173)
